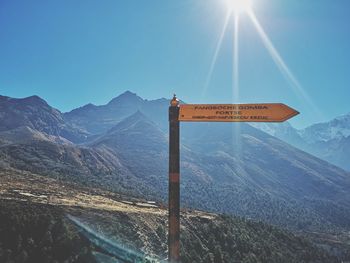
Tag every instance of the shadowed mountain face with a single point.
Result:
(336, 151)
(99, 119)
(269, 162)
(262, 177)
(35, 113)
(225, 168)
(142, 148)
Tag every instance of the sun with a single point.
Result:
(239, 6)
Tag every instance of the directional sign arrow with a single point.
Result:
(265, 112)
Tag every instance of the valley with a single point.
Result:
(120, 225)
(115, 168)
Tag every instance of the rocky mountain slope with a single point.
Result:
(55, 222)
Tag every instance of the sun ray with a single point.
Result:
(216, 54)
(236, 59)
(236, 129)
(282, 66)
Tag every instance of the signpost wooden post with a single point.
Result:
(263, 112)
(174, 182)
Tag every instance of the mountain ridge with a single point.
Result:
(98, 119)
(230, 168)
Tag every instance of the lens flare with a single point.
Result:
(239, 6)
(235, 72)
(216, 54)
(282, 66)
(235, 8)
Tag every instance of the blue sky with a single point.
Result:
(74, 52)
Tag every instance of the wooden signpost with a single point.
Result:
(274, 112)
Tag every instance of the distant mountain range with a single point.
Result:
(98, 119)
(123, 146)
(329, 141)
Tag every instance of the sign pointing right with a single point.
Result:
(264, 112)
